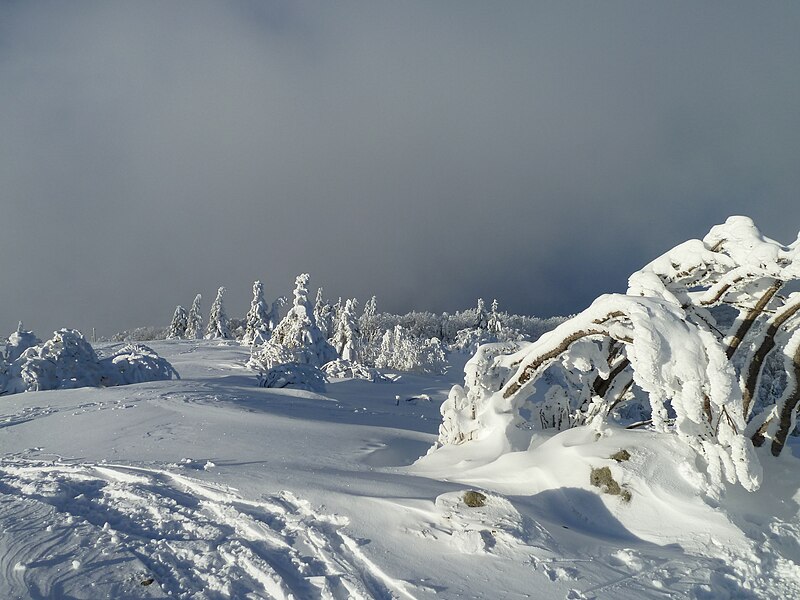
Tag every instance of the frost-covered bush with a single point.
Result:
(268, 355)
(294, 375)
(345, 369)
(703, 335)
(484, 376)
(18, 342)
(65, 361)
(400, 351)
(135, 363)
(140, 334)
(68, 361)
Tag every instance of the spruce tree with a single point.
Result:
(180, 320)
(257, 329)
(218, 328)
(194, 323)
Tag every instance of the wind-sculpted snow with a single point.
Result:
(101, 530)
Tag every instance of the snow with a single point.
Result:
(211, 487)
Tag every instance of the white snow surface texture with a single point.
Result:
(210, 487)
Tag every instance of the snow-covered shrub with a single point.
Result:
(135, 363)
(467, 340)
(257, 330)
(217, 328)
(294, 375)
(194, 323)
(177, 328)
(140, 334)
(483, 377)
(707, 377)
(400, 351)
(18, 342)
(268, 355)
(345, 369)
(65, 361)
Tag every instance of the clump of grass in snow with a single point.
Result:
(474, 499)
(621, 456)
(603, 479)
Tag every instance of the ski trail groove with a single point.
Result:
(124, 526)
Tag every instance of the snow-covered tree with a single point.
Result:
(323, 315)
(217, 328)
(67, 361)
(274, 315)
(18, 342)
(402, 352)
(345, 338)
(699, 334)
(257, 329)
(136, 363)
(194, 322)
(180, 321)
(297, 335)
(494, 325)
(481, 317)
(294, 375)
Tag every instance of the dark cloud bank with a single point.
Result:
(426, 152)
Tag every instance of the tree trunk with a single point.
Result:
(751, 317)
(754, 368)
(785, 414)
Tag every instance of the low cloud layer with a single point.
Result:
(429, 153)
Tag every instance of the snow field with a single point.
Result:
(214, 488)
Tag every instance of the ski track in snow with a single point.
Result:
(90, 531)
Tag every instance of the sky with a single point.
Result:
(425, 152)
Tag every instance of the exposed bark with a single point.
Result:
(531, 368)
(721, 292)
(620, 396)
(750, 319)
(754, 368)
(601, 386)
(785, 420)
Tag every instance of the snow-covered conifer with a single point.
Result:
(217, 328)
(297, 334)
(494, 325)
(194, 322)
(275, 312)
(323, 315)
(180, 321)
(18, 342)
(403, 352)
(345, 337)
(481, 318)
(257, 329)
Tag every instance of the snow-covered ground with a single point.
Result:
(210, 487)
